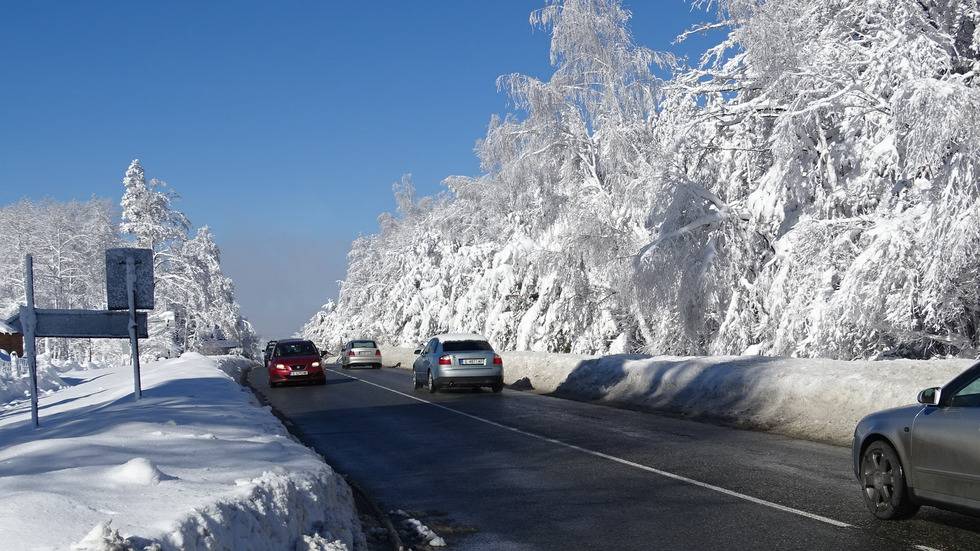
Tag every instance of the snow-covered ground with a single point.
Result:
(197, 463)
(194, 464)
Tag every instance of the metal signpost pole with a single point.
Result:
(28, 320)
(133, 341)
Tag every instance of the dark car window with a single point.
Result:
(296, 349)
(363, 344)
(459, 346)
(968, 396)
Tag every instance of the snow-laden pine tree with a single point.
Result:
(192, 298)
(148, 214)
(209, 297)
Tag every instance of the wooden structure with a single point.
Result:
(11, 340)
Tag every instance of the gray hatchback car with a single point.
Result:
(458, 360)
(924, 454)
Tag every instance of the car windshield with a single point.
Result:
(460, 346)
(363, 344)
(296, 349)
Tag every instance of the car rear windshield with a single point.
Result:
(296, 349)
(363, 344)
(460, 346)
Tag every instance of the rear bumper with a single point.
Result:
(363, 361)
(459, 381)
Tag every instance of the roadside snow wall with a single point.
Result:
(814, 399)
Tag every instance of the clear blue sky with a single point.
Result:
(282, 125)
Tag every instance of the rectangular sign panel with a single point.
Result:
(115, 278)
(88, 324)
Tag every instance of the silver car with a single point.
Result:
(360, 353)
(926, 454)
(458, 360)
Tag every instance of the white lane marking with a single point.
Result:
(620, 460)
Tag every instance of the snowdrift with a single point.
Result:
(815, 399)
(194, 464)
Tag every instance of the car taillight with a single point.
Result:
(445, 360)
(351, 353)
(377, 352)
(497, 360)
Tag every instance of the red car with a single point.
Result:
(295, 361)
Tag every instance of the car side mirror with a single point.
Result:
(929, 396)
(418, 351)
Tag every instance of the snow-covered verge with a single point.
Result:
(815, 399)
(196, 463)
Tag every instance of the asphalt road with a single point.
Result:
(521, 471)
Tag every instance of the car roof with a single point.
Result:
(287, 341)
(459, 337)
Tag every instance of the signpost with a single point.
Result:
(29, 321)
(129, 286)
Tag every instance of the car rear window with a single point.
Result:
(363, 344)
(460, 346)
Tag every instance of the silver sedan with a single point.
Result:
(358, 353)
(458, 360)
(925, 454)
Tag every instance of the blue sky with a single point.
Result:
(282, 125)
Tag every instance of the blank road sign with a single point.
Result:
(115, 278)
(99, 324)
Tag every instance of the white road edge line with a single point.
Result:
(622, 461)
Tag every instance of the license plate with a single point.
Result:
(364, 353)
(299, 373)
(477, 361)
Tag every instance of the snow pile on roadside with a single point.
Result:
(194, 464)
(815, 399)
(15, 382)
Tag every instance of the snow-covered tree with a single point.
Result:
(67, 243)
(825, 177)
(190, 293)
(148, 213)
(527, 252)
(809, 188)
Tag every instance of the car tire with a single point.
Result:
(272, 384)
(431, 383)
(497, 387)
(415, 381)
(883, 483)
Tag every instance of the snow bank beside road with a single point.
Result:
(194, 464)
(814, 399)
